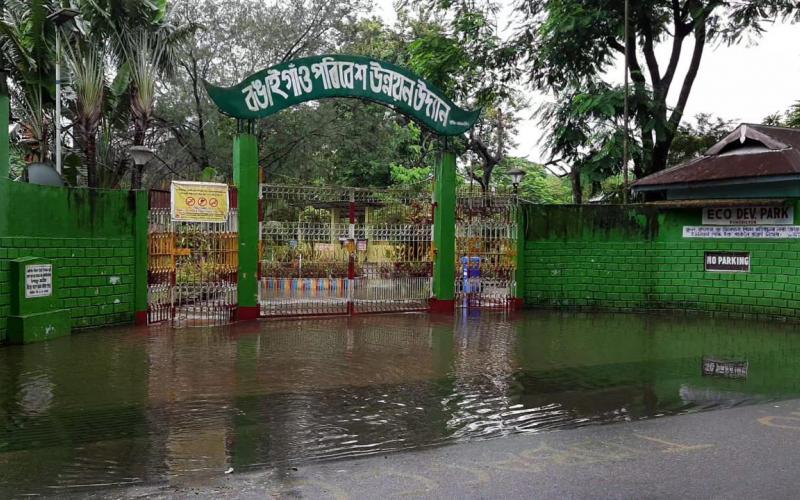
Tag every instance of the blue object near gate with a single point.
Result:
(471, 273)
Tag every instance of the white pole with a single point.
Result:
(58, 101)
(626, 112)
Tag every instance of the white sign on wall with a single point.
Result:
(758, 232)
(38, 280)
(748, 216)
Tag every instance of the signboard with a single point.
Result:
(755, 232)
(361, 245)
(199, 201)
(38, 280)
(727, 262)
(748, 216)
(309, 78)
(725, 368)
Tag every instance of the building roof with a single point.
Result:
(750, 151)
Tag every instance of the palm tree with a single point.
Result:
(26, 43)
(148, 56)
(143, 53)
(133, 40)
(88, 83)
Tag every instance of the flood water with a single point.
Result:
(131, 406)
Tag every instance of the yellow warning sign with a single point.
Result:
(199, 201)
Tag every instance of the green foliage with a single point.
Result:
(437, 57)
(409, 176)
(568, 47)
(94, 49)
(311, 214)
(789, 118)
(692, 141)
(539, 184)
(27, 41)
(586, 135)
(793, 116)
(17, 162)
(209, 174)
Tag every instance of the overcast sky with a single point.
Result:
(744, 83)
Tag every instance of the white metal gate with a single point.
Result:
(333, 250)
(193, 266)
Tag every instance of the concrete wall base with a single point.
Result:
(39, 326)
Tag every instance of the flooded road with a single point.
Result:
(130, 406)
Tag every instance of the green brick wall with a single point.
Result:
(89, 236)
(635, 258)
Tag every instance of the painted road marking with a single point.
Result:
(674, 447)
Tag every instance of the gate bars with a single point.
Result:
(330, 251)
(486, 251)
(336, 250)
(193, 266)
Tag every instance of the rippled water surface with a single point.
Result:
(130, 406)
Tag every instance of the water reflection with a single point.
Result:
(128, 406)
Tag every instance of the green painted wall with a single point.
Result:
(89, 236)
(633, 258)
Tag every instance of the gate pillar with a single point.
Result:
(141, 255)
(246, 179)
(444, 233)
(519, 271)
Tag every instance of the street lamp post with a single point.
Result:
(59, 18)
(141, 155)
(516, 178)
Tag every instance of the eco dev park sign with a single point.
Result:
(758, 222)
(287, 84)
(761, 222)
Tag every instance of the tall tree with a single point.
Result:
(26, 42)
(87, 68)
(565, 45)
(464, 55)
(237, 38)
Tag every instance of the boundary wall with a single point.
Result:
(635, 257)
(91, 238)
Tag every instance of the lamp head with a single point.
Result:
(141, 154)
(62, 16)
(516, 175)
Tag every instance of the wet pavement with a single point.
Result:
(743, 452)
(167, 408)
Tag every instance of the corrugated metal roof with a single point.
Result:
(762, 152)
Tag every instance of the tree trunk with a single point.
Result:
(660, 155)
(90, 153)
(577, 192)
(201, 123)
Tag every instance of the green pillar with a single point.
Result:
(4, 110)
(519, 273)
(141, 254)
(444, 232)
(245, 176)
